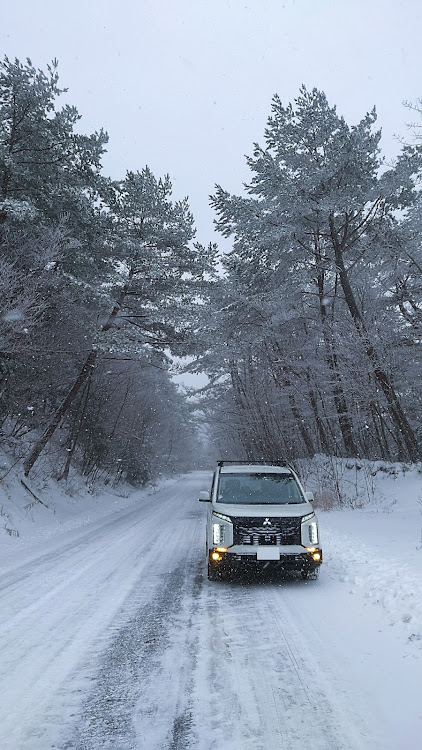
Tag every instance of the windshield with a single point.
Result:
(259, 489)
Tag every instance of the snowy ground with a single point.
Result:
(111, 636)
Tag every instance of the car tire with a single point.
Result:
(213, 573)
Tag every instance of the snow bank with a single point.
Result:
(34, 512)
(372, 535)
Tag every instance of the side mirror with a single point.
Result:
(309, 496)
(204, 496)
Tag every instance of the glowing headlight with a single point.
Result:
(220, 531)
(307, 517)
(218, 534)
(313, 533)
(222, 516)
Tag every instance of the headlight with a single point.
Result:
(307, 518)
(222, 516)
(218, 534)
(221, 532)
(313, 533)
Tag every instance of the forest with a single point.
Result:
(308, 329)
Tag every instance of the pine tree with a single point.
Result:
(47, 169)
(158, 277)
(321, 212)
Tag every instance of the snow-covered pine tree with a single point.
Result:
(158, 275)
(47, 169)
(322, 210)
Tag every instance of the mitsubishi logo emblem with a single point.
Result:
(267, 522)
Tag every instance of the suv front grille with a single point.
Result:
(278, 531)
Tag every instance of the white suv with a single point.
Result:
(260, 515)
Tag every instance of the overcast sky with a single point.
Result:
(185, 86)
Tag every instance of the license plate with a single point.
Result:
(267, 553)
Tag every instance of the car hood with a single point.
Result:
(263, 511)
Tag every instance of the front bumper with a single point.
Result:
(246, 556)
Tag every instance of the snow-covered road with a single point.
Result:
(111, 637)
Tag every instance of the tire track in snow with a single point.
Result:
(137, 701)
(260, 685)
(139, 697)
(107, 717)
(73, 602)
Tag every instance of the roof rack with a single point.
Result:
(269, 462)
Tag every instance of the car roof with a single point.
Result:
(254, 469)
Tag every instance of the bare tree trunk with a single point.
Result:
(344, 421)
(268, 447)
(323, 439)
(378, 429)
(255, 433)
(76, 430)
(340, 403)
(240, 400)
(282, 379)
(61, 411)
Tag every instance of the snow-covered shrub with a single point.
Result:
(339, 482)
